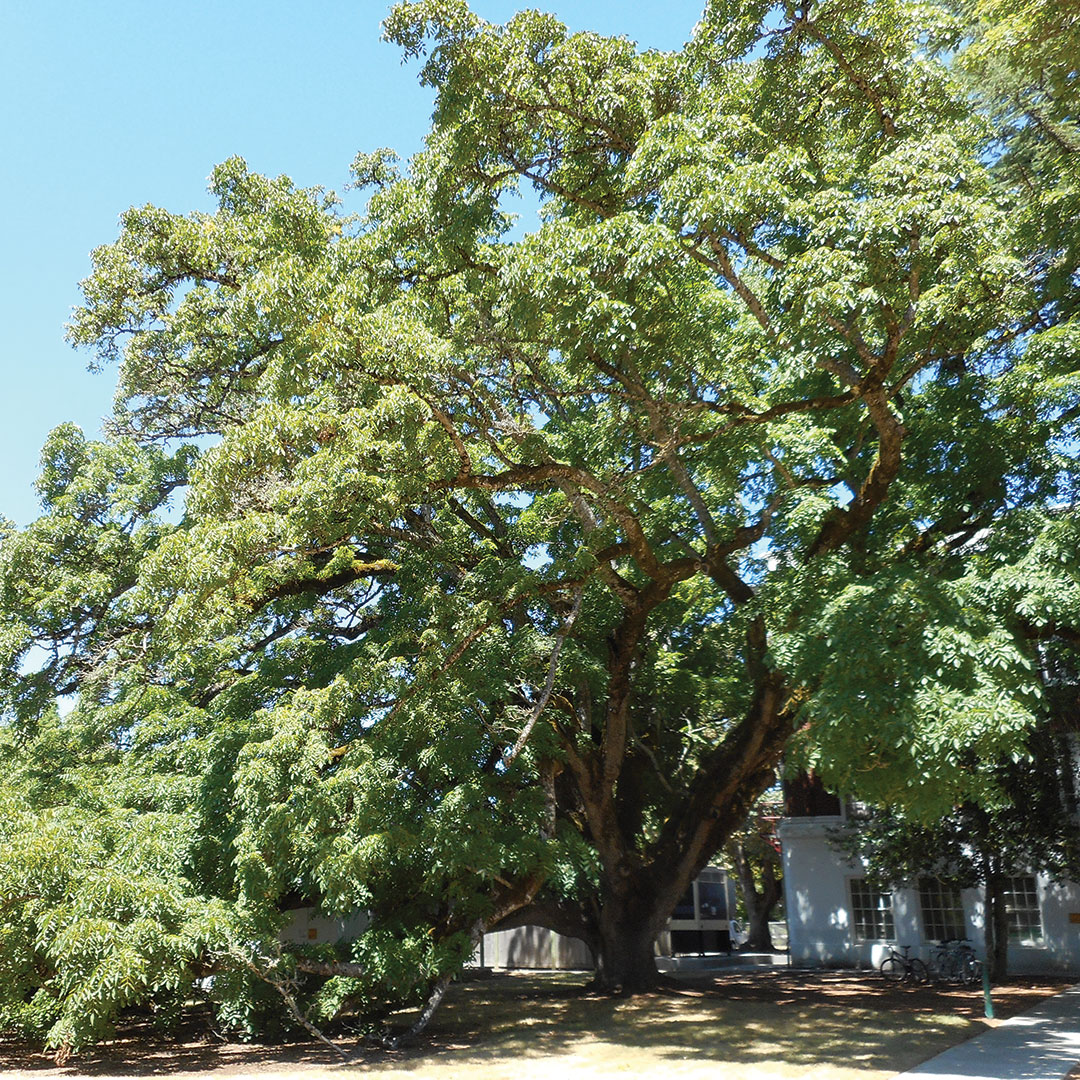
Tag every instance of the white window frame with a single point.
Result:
(948, 906)
(882, 912)
(1023, 911)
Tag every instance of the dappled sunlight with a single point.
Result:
(769, 1023)
(785, 1024)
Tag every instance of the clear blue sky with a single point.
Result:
(112, 103)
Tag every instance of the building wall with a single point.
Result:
(816, 890)
(308, 927)
(535, 948)
(1061, 949)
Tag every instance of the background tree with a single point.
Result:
(512, 563)
(753, 853)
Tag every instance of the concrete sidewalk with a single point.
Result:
(1042, 1044)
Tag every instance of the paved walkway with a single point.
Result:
(1042, 1044)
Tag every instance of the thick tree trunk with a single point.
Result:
(758, 934)
(760, 938)
(640, 887)
(626, 946)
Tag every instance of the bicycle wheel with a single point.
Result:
(936, 970)
(892, 969)
(919, 973)
(972, 973)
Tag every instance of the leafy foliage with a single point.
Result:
(503, 568)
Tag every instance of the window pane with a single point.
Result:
(942, 911)
(712, 899)
(871, 909)
(1022, 910)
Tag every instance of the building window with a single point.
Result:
(712, 898)
(684, 909)
(871, 910)
(707, 897)
(1022, 911)
(942, 911)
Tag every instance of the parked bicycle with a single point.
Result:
(955, 962)
(900, 967)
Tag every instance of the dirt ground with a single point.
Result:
(775, 1023)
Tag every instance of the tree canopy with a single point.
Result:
(457, 571)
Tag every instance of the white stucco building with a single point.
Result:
(836, 917)
(307, 926)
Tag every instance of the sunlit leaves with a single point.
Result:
(779, 393)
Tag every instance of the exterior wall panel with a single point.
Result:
(533, 948)
(819, 910)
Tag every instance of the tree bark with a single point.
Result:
(639, 889)
(759, 904)
(760, 936)
(640, 884)
(997, 951)
(573, 919)
(620, 930)
(626, 955)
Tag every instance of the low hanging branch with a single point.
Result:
(282, 986)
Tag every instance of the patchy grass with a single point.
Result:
(758, 1026)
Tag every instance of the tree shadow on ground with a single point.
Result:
(799, 1018)
(781, 1016)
